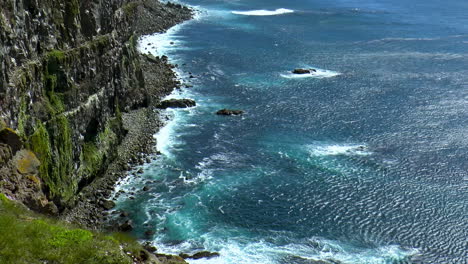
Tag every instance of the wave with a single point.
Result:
(318, 74)
(242, 250)
(262, 12)
(336, 149)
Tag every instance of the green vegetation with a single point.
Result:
(93, 154)
(55, 170)
(130, 8)
(29, 238)
(39, 144)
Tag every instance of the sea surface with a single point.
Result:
(363, 161)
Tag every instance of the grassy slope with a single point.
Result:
(29, 238)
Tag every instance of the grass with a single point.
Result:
(29, 238)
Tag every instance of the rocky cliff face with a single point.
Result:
(68, 70)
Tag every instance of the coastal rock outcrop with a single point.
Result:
(69, 73)
(200, 255)
(176, 103)
(228, 112)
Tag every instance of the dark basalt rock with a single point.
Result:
(108, 205)
(149, 233)
(150, 248)
(126, 227)
(123, 214)
(200, 255)
(229, 112)
(303, 71)
(10, 138)
(176, 103)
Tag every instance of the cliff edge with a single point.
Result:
(69, 72)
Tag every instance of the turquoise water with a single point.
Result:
(364, 161)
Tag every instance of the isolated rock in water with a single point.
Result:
(204, 254)
(303, 71)
(176, 103)
(149, 233)
(229, 112)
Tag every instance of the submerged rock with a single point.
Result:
(229, 112)
(176, 103)
(149, 233)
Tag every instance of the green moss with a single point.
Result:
(28, 238)
(91, 159)
(54, 59)
(39, 144)
(56, 102)
(60, 173)
(130, 8)
(94, 154)
(53, 147)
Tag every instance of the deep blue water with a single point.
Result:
(364, 162)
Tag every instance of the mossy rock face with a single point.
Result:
(2, 124)
(26, 162)
(9, 137)
(5, 154)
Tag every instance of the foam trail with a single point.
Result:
(262, 12)
(318, 74)
(336, 149)
(240, 251)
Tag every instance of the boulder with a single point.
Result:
(127, 226)
(176, 103)
(26, 162)
(229, 112)
(200, 255)
(108, 205)
(123, 214)
(149, 247)
(303, 71)
(149, 233)
(8, 136)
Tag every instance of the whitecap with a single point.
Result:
(241, 250)
(318, 74)
(279, 11)
(339, 149)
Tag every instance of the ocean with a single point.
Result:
(363, 161)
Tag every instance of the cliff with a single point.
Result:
(69, 71)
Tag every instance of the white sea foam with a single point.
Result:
(318, 74)
(338, 149)
(262, 12)
(241, 250)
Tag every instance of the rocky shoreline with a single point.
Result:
(93, 99)
(138, 146)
